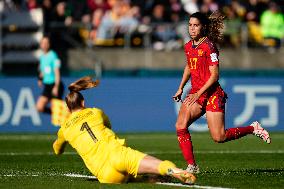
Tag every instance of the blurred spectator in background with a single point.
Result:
(98, 5)
(61, 21)
(10, 5)
(47, 15)
(95, 23)
(158, 14)
(96, 9)
(119, 20)
(238, 8)
(254, 9)
(61, 15)
(129, 19)
(109, 22)
(209, 6)
(190, 6)
(272, 27)
(162, 33)
(20, 5)
(80, 16)
(30, 4)
(176, 11)
(160, 20)
(146, 6)
(79, 10)
(233, 25)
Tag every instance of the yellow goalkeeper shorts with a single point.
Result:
(122, 162)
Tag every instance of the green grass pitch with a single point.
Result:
(27, 161)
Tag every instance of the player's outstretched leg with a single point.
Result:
(150, 164)
(261, 132)
(182, 175)
(169, 168)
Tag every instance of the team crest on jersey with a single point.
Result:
(200, 52)
(214, 57)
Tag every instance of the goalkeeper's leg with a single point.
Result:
(150, 164)
(125, 159)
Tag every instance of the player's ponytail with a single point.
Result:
(74, 98)
(212, 25)
(83, 84)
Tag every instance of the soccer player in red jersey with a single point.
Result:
(206, 94)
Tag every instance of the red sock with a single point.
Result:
(184, 140)
(238, 132)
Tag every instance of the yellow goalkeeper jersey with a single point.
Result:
(89, 132)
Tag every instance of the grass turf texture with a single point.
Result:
(26, 161)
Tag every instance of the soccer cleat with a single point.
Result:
(192, 169)
(183, 176)
(260, 132)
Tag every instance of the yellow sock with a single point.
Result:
(164, 166)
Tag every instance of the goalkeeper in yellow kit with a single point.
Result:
(88, 130)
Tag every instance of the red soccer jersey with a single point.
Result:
(199, 58)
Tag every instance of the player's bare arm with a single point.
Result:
(40, 76)
(57, 82)
(59, 144)
(185, 78)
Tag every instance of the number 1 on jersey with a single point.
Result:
(86, 126)
(193, 62)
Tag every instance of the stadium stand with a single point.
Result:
(22, 32)
(104, 25)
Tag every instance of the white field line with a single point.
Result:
(74, 175)
(28, 137)
(79, 176)
(32, 153)
(189, 186)
(10, 175)
(156, 152)
(37, 175)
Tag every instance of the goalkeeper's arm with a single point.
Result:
(59, 144)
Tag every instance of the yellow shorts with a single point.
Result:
(122, 161)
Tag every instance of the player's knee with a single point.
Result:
(181, 124)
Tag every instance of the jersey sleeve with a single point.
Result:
(108, 134)
(106, 120)
(213, 55)
(56, 61)
(60, 143)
